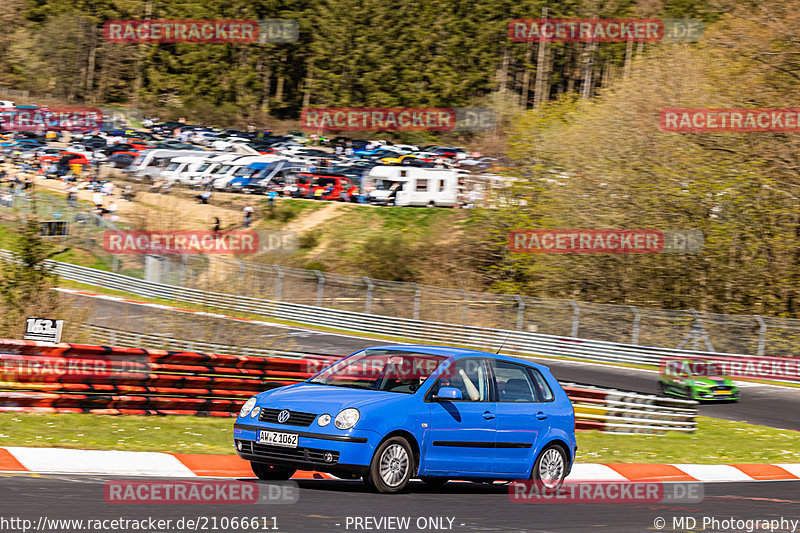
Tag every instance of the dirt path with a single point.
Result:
(315, 218)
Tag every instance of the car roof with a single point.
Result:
(456, 353)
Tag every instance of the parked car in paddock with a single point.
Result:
(121, 159)
(390, 413)
(272, 175)
(235, 168)
(696, 379)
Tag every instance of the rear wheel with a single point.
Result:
(391, 467)
(271, 472)
(550, 468)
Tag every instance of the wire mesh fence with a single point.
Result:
(746, 334)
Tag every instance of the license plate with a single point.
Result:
(287, 440)
(722, 392)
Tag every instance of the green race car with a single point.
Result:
(696, 379)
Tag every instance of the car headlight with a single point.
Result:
(324, 420)
(255, 412)
(247, 407)
(347, 418)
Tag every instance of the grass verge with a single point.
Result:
(715, 442)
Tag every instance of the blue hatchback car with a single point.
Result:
(390, 413)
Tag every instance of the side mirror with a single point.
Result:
(448, 393)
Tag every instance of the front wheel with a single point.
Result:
(271, 472)
(391, 467)
(550, 468)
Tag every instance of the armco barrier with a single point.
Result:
(77, 378)
(520, 342)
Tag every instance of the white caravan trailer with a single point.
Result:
(151, 163)
(414, 186)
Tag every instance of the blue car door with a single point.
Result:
(461, 436)
(521, 418)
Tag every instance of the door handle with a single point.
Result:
(541, 416)
(488, 415)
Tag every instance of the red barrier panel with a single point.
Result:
(104, 379)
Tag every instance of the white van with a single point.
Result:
(414, 186)
(180, 166)
(229, 170)
(149, 165)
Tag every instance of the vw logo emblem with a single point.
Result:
(283, 416)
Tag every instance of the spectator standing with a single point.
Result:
(271, 197)
(72, 195)
(112, 211)
(216, 225)
(97, 198)
(248, 214)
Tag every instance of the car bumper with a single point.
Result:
(335, 453)
(705, 396)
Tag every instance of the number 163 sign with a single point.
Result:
(43, 329)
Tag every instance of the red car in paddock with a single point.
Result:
(334, 186)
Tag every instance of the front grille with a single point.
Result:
(296, 418)
(306, 455)
(721, 388)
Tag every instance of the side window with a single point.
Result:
(469, 376)
(514, 384)
(542, 387)
(422, 185)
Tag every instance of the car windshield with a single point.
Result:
(705, 368)
(383, 370)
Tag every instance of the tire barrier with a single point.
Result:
(79, 378)
(76, 378)
(628, 412)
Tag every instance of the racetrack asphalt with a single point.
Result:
(764, 405)
(325, 505)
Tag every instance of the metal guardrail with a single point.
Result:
(117, 337)
(520, 342)
(596, 408)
